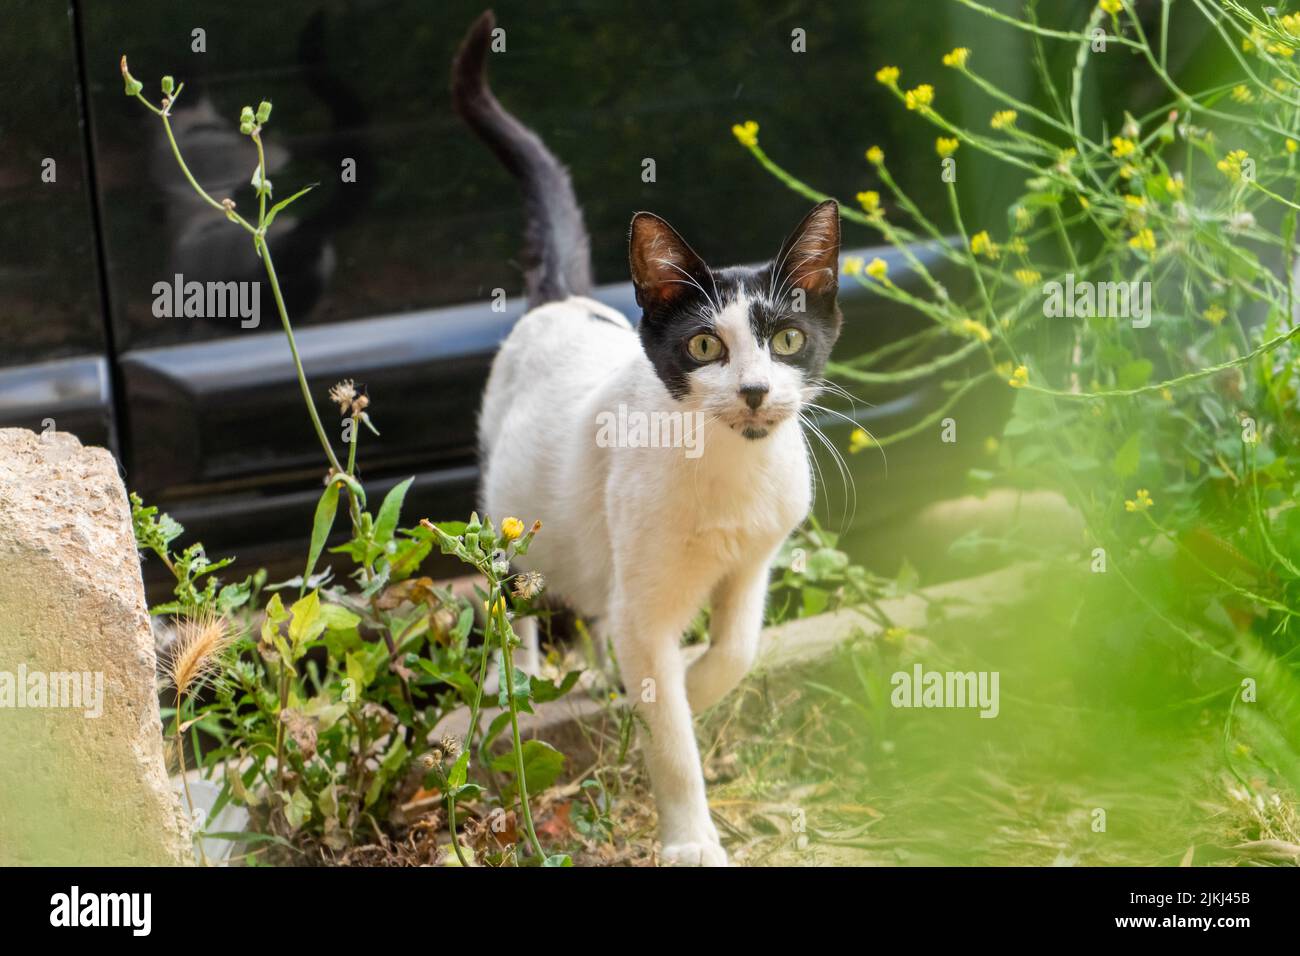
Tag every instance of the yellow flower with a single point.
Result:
(1281, 49)
(1122, 146)
(1144, 241)
(1083, 202)
(957, 57)
(1019, 378)
(498, 608)
(919, 98)
(991, 445)
(1174, 186)
(982, 245)
(887, 75)
(1142, 503)
(1242, 94)
(975, 330)
(1024, 218)
(1214, 314)
(945, 147)
(875, 155)
(511, 528)
(870, 201)
(1292, 145)
(859, 440)
(878, 268)
(1230, 165)
(1003, 369)
(1028, 277)
(1291, 24)
(1003, 118)
(1167, 395)
(1137, 204)
(1111, 6)
(852, 266)
(746, 132)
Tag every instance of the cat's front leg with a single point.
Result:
(646, 643)
(735, 624)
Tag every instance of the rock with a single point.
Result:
(82, 774)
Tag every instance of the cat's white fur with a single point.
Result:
(639, 539)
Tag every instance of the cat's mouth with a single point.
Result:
(758, 425)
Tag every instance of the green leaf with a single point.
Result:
(543, 765)
(1128, 457)
(389, 511)
(298, 810)
(307, 623)
(544, 690)
(459, 772)
(522, 687)
(275, 210)
(321, 525)
(1134, 374)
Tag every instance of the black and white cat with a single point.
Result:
(639, 538)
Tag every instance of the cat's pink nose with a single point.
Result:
(753, 395)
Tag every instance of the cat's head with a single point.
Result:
(742, 345)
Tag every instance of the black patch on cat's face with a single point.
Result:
(680, 295)
(665, 330)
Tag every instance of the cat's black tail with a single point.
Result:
(557, 252)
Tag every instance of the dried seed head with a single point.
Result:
(528, 585)
(196, 654)
(342, 395)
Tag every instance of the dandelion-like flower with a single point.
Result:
(1141, 502)
(858, 441)
(946, 146)
(877, 268)
(1231, 165)
(746, 133)
(1003, 119)
(981, 244)
(1019, 378)
(957, 58)
(887, 75)
(919, 98)
(511, 528)
(1144, 241)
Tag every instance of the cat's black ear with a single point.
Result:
(664, 267)
(810, 257)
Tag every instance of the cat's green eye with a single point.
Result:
(705, 348)
(787, 342)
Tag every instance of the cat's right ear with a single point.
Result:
(664, 267)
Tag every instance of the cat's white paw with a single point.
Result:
(701, 853)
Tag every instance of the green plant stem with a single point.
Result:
(265, 252)
(507, 665)
(185, 778)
